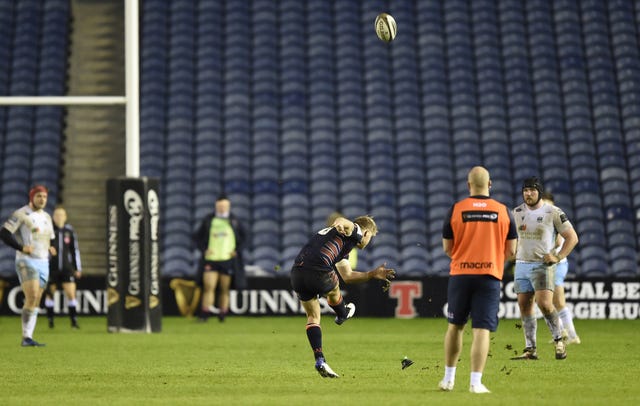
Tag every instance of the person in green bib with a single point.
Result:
(220, 238)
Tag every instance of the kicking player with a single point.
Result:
(314, 274)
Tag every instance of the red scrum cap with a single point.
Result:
(37, 189)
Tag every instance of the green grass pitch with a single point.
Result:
(267, 361)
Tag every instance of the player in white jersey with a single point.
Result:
(562, 268)
(538, 223)
(29, 231)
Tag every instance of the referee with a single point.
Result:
(479, 234)
(65, 267)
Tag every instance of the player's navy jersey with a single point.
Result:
(326, 248)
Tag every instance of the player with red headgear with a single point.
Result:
(29, 231)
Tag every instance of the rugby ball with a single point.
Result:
(386, 27)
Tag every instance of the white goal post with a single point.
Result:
(131, 100)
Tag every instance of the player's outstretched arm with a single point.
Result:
(343, 226)
(384, 274)
(350, 276)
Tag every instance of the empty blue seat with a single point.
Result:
(267, 258)
(593, 251)
(616, 199)
(414, 267)
(594, 268)
(322, 186)
(439, 264)
(620, 233)
(350, 202)
(624, 268)
(266, 239)
(583, 225)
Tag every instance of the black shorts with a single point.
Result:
(222, 267)
(60, 277)
(477, 296)
(311, 284)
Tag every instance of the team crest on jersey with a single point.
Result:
(539, 219)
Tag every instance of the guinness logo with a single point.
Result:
(187, 295)
(153, 302)
(112, 296)
(131, 302)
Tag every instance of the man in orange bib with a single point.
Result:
(479, 235)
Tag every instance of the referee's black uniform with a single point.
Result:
(62, 268)
(63, 265)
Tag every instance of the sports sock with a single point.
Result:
(449, 374)
(48, 304)
(73, 310)
(29, 319)
(530, 325)
(314, 334)
(340, 308)
(554, 323)
(205, 313)
(567, 320)
(476, 378)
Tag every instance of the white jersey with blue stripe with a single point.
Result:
(34, 228)
(537, 230)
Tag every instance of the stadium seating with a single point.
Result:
(33, 61)
(296, 109)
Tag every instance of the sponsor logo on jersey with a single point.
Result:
(476, 265)
(471, 215)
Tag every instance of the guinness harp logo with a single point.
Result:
(3, 284)
(112, 296)
(131, 302)
(187, 295)
(153, 301)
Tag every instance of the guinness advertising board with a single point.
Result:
(133, 273)
(595, 299)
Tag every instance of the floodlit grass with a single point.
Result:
(251, 360)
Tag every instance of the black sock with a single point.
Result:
(340, 308)
(73, 314)
(50, 314)
(314, 334)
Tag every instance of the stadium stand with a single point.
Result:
(33, 61)
(295, 109)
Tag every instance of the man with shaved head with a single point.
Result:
(479, 178)
(479, 235)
